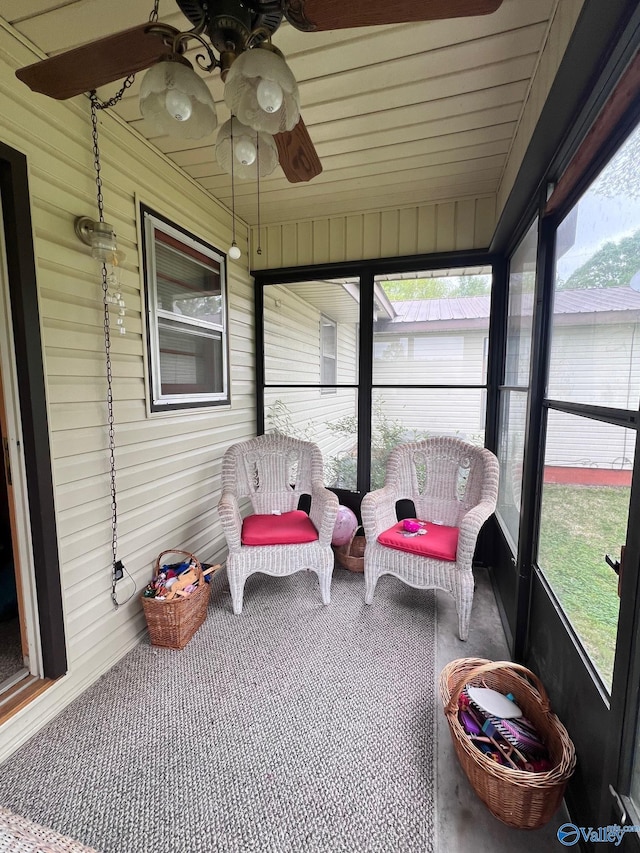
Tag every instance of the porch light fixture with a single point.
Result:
(102, 239)
(175, 100)
(261, 90)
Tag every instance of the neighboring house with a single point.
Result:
(444, 341)
(433, 338)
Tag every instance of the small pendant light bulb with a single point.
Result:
(178, 105)
(270, 95)
(245, 151)
(234, 251)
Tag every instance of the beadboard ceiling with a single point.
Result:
(398, 115)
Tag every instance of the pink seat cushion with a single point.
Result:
(290, 528)
(439, 542)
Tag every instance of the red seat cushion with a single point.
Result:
(290, 528)
(439, 542)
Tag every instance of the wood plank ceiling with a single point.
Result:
(399, 115)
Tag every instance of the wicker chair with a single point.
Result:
(454, 486)
(274, 471)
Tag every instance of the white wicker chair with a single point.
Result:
(274, 471)
(450, 482)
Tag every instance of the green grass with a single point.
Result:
(580, 524)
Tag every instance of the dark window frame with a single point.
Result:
(366, 271)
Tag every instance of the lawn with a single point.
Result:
(580, 524)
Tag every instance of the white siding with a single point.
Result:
(292, 356)
(434, 358)
(423, 412)
(444, 227)
(576, 442)
(595, 364)
(168, 465)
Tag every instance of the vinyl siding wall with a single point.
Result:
(457, 358)
(443, 227)
(292, 356)
(168, 465)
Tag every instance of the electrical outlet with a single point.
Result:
(118, 570)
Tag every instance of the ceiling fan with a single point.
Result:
(233, 28)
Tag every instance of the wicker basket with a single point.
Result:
(173, 623)
(519, 798)
(351, 556)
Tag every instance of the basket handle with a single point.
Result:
(491, 666)
(188, 554)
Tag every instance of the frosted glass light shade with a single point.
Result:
(176, 102)
(254, 67)
(243, 138)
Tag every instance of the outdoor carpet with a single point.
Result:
(294, 727)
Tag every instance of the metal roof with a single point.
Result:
(477, 307)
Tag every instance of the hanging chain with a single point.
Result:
(105, 105)
(96, 105)
(107, 350)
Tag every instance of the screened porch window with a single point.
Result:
(186, 310)
(328, 354)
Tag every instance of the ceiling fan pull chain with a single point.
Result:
(259, 248)
(234, 251)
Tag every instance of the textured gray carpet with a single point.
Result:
(294, 727)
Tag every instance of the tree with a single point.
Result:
(437, 288)
(613, 265)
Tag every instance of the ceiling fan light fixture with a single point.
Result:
(262, 92)
(176, 101)
(246, 142)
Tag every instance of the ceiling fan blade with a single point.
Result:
(336, 14)
(297, 155)
(97, 63)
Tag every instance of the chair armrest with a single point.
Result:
(323, 511)
(378, 511)
(470, 528)
(229, 512)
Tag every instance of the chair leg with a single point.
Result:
(464, 603)
(236, 585)
(463, 627)
(369, 587)
(324, 578)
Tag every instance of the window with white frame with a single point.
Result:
(328, 354)
(185, 291)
